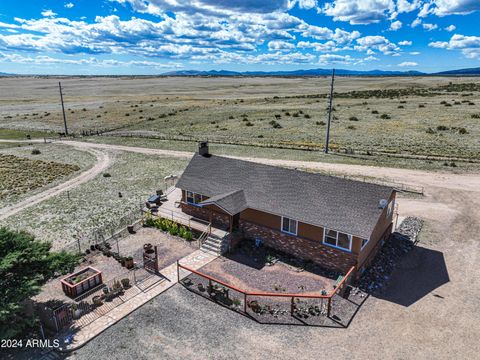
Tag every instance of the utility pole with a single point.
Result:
(329, 118)
(63, 108)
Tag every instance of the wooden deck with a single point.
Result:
(170, 209)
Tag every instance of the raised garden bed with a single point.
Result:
(81, 281)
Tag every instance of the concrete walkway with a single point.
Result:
(195, 260)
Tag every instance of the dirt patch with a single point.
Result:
(248, 268)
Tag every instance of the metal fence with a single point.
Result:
(95, 302)
(106, 233)
(259, 303)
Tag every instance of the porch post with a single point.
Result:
(231, 223)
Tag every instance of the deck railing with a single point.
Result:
(292, 296)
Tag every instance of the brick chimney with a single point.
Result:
(203, 148)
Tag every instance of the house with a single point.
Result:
(335, 222)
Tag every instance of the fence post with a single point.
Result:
(178, 272)
(79, 248)
(329, 306)
(292, 306)
(245, 302)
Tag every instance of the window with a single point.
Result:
(364, 242)
(337, 239)
(289, 226)
(193, 198)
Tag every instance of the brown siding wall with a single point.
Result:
(260, 217)
(381, 231)
(307, 249)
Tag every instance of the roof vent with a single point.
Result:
(382, 204)
(203, 148)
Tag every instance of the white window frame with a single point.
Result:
(288, 232)
(192, 196)
(350, 238)
(366, 243)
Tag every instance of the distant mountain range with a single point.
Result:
(308, 72)
(319, 72)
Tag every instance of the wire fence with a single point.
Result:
(111, 232)
(258, 305)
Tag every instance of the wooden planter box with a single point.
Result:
(77, 283)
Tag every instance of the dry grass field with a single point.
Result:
(19, 175)
(414, 116)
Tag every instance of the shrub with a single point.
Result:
(475, 116)
(374, 112)
(36, 152)
(430, 131)
(462, 131)
(351, 127)
(275, 124)
(401, 107)
(260, 136)
(353, 118)
(248, 123)
(442, 128)
(106, 175)
(321, 123)
(231, 117)
(421, 105)
(306, 116)
(296, 114)
(385, 116)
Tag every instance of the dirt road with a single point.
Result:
(102, 163)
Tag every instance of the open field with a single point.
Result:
(25, 174)
(419, 116)
(20, 175)
(96, 203)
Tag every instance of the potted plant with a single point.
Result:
(148, 248)
(201, 288)
(129, 262)
(125, 283)
(97, 300)
(130, 229)
(76, 311)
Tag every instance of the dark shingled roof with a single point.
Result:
(232, 202)
(340, 204)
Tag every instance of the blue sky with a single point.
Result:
(156, 36)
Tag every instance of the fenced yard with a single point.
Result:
(324, 308)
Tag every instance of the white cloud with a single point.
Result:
(8, 26)
(454, 7)
(377, 42)
(425, 10)
(404, 6)
(407, 64)
(451, 28)
(275, 45)
(405, 43)
(429, 27)
(468, 45)
(48, 13)
(416, 22)
(414, 53)
(335, 59)
(359, 11)
(396, 25)
(69, 5)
